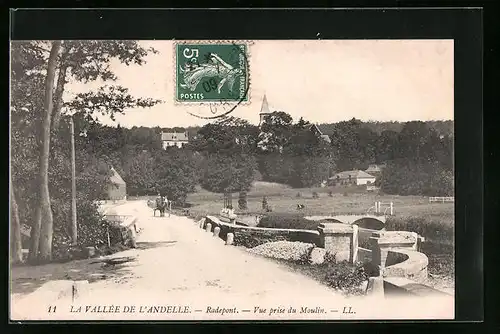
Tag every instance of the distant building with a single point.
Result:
(316, 130)
(264, 110)
(375, 169)
(178, 139)
(352, 177)
(117, 190)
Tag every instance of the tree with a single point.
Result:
(175, 174)
(140, 174)
(42, 233)
(275, 131)
(229, 146)
(16, 251)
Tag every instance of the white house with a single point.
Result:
(353, 177)
(169, 139)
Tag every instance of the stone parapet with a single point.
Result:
(382, 242)
(408, 264)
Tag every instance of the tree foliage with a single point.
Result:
(36, 138)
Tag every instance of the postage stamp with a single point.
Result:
(211, 72)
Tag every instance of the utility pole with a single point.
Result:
(74, 226)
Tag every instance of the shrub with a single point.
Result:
(288, 220)
(264, 203)
(242, 201)
(305, 258)
(251, 240)
(329, 258)
(346, 277)
(426, 227)
(315, 194)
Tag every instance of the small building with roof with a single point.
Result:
(170, 139)
(352, 177)
(117, 189)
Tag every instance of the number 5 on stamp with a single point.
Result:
(211, 72)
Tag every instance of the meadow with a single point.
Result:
(351, 200)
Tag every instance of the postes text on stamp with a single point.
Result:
(211, 72)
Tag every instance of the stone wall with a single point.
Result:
(253, 236)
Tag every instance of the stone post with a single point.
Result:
(216, 231)
(375, 287)
(355, 238)
(337, 239)
(382, 242)
(229, 239)
(208, 227)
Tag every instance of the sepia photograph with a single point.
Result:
(282, 179)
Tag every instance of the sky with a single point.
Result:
(324, 81)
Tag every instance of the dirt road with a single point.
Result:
(181, 272)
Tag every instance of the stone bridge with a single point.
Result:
(374, 222)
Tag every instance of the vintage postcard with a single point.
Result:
(232, 180)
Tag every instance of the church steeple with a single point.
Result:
(264, 109)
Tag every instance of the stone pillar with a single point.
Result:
(208, 227)
(216, 231)
(229, 239)
(355, 238)
(336, 239)
(382, 242)
(375, 287)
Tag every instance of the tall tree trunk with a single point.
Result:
(42, 248)
(16, 248)
(58, 95)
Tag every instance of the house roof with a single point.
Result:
(358, 174)
(326, 138)
(174, 136)
(374, 168)
(325, 129)
(116, 178)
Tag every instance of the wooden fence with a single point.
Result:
(441, 199)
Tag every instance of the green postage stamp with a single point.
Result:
(211, 72)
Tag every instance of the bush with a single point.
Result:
(288, 220)
(429, 229)
(315, 194)
(346, 277)
(264, 203)
(251, 240)
(242, 201)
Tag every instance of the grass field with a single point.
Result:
(343, 200)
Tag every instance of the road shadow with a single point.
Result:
(154, 244)
(26, 279)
